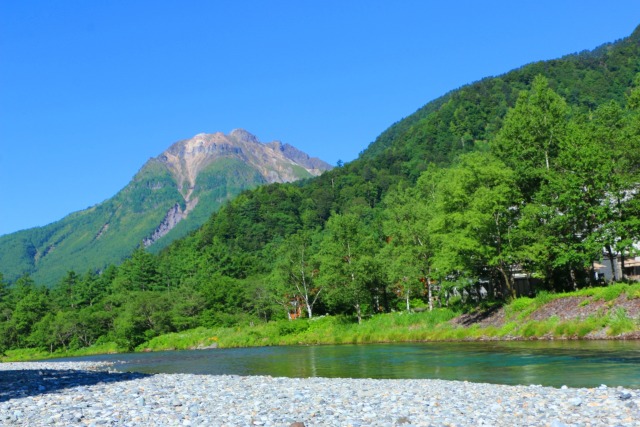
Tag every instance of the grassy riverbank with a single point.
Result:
(593, 313)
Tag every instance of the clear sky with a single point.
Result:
(90, 90)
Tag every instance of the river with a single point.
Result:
(549, 363)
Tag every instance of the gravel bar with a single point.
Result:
(89, 394)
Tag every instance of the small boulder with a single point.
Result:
(625, 395)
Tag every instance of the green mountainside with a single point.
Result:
(170, 196)
(472, 115)
(358, 199)
(521, 184)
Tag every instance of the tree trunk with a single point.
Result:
(612, 261)
(429, 294)
(546, 159)
(574, 281)
(309, 314)
(592, 274)
(376, 301)
(358, 312)
(508, 282)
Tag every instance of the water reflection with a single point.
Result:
(577, 364)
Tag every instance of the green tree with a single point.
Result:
(54, 331)
(348, 268)
(574, 203)
(144, 316)
(409, 251)
(22, 287)
(294, 272)
(530, 138)
(65, 293)
(607, 129)
(4, 289)
(5, 314)
(31, 307)
(138, 273)
(474, 222)
(628, 169)
(92, 322)
(227, 300)
(92, 288)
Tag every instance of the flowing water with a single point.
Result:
(551, 363)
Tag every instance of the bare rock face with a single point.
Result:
(300, 157)
(275, 162)
(171, 219)
(244, 136)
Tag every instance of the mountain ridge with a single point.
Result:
(589, 69)
(187, 157)
(172, 194)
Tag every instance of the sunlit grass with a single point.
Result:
(30, 354)
(390, 327)
(611, 292)
(520, 308)
(619, 322)
(194, 338)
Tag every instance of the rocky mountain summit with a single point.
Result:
(186, 159)
(276, 162)
(171, 195)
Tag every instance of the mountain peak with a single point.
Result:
(300, 157)
(243, 136)
(171, 195)
(276, 162)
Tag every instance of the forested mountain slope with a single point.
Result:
(171, 195)
(371, 210)
(473, 114)
(530, 174)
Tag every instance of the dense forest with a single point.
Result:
(535, 171)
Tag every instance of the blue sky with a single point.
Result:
(89, 91)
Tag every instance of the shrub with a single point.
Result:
(290, 327)
(619, 322)
(612, 292)
(520, 307)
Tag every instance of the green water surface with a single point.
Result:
(549, 363)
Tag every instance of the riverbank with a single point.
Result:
(611, 312)
(50, 393)
(596, 313)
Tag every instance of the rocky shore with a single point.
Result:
(89, 394)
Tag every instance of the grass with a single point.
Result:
(521, 308)
(199, 337)
(619, 322)
(28, 354)
(610, 293)
(393, 327)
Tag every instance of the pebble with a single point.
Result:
(89, 394)
(576, 401)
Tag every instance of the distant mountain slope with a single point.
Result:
(171, 195)
(462, 119)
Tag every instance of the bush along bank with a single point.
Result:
(595, 313)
